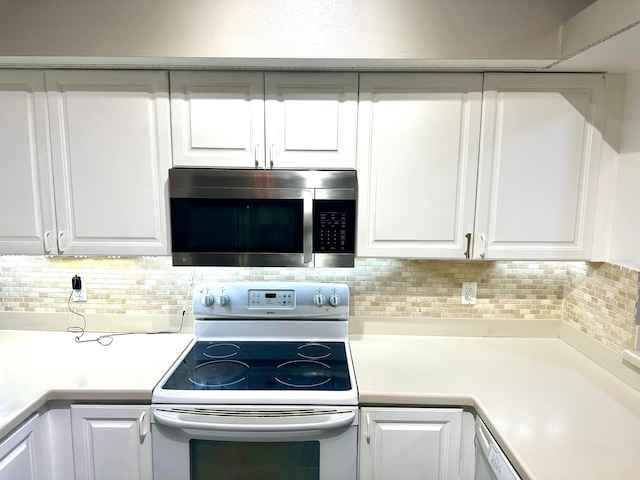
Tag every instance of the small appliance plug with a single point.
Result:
(79, 287)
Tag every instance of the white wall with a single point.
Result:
(625, 239)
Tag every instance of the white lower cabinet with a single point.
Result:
(111, 442)
(411, 443)
(18, 453)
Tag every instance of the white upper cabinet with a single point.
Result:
(111, 150)
(256, 120)
(217, 119)
(311, 120)
(534, 154)
(27, 224)
(418, 137)
(539, 166)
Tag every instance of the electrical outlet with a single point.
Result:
(469, 293)
(80, 294)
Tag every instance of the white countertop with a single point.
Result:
(40, 366)
(557, 414)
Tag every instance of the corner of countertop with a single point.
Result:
(625, 365)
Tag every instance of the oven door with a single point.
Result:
(254, 442)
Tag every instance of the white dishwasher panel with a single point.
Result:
(491, 462)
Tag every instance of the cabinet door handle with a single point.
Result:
(367, 431)
(62, 246)
(256, 154)
(142, 431)
(47, 241)
(483, 250)
(271, 156)
(468, 252)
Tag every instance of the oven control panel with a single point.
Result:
(272, 298)
(217, 300)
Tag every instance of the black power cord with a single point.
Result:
(107, 339)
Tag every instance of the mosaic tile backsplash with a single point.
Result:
(599, 299)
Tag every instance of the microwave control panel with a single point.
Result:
(334, 226)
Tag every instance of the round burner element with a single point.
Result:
(219, 373)
(314, 351)
(303, 373)
(221, 350)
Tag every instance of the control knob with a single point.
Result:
(223, 300)
(319, 300)
(207, 300)
(335, 300)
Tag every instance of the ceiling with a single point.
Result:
(539, 35)
(568, 8)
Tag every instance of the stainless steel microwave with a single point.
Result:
(262, 218)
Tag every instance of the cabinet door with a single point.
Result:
(111, 155)
(25, 168)
(539, 165)
(17, 453)
(311, 120)
(418, 137)
(410, 444)
(111, 442)
(217, 119)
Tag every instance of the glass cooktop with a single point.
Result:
(258, 365)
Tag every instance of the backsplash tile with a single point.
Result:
(409, 288)
(583, 294)
(600, 300)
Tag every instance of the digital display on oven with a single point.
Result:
(271, 299)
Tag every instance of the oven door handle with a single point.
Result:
(268, 424)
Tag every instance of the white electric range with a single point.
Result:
(267, 385)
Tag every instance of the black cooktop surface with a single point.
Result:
(258, 365)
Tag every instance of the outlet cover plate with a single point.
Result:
(81, 294)
(469, 293)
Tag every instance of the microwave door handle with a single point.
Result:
(229, 423)
(307, 225)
